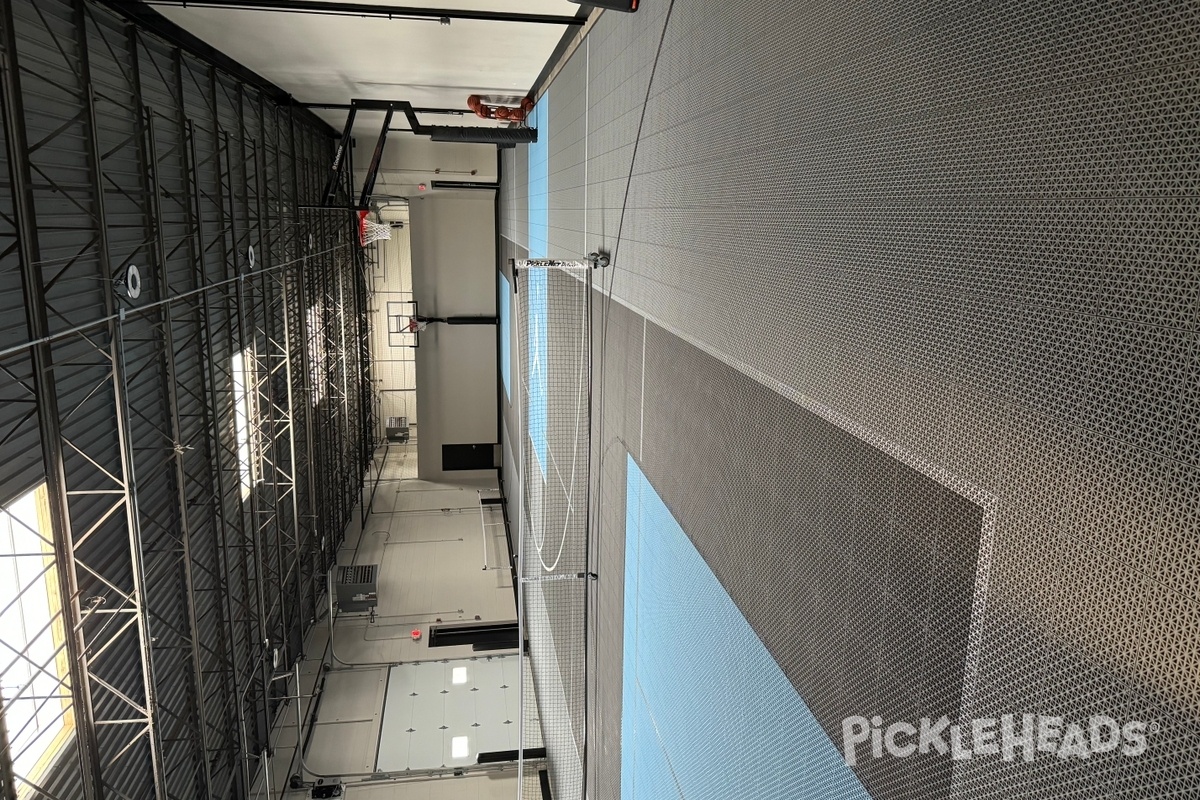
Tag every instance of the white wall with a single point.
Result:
(394, 369)
(454, 273)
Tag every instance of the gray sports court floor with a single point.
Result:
(902, 328)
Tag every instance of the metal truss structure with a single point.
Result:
(185, 588)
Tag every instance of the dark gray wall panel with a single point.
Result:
(856, 571)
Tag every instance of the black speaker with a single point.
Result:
(614, 5)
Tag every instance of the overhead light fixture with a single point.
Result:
(458, 675)
(459, 747)
(129, 282)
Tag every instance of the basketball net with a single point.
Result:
(370, 231)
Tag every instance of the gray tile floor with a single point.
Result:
(427, 539)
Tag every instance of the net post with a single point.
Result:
(597, 260)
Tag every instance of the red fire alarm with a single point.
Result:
(416, 634)
(421, 186)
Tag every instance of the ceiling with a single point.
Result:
(321, 58)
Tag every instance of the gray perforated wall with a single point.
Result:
(957, 241)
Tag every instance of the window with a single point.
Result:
(242, 381)
(37, 703)
(316, 350)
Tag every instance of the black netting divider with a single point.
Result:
(555, 438)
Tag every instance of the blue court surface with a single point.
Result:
(539, 180)
(504, 289)
(706, 711)
(536, 416)
(539, 226)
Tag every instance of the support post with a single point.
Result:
(46, 398)
(205, 332)
(306, 390)
(257, 628)
(373, 168)
(170, 379)
(116, 354)
(8, 779)
(196, 235)
(340, 157)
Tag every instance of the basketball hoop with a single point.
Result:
(416, 325)
(370, 231)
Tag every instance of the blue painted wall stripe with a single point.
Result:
(706, 710)
(539, 226)
(537, 418)
(504, 289)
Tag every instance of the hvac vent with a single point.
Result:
(357, 587)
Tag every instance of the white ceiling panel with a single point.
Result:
(331, 59)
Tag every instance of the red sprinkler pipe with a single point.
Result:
(504, 113)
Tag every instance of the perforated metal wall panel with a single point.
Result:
(567, 131)
(962, 238)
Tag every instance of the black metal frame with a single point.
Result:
(361, 10)
(176, 592)
(150, 21)
(340, 169)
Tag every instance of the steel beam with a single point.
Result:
(196, 245)
(345, 427)
(116, 354)
(8, 779)
(347, 106)
(264, 385)
(46, 398)
(373, 168)
(361, 10)
(337, 346)
(306, 357)
(153, 22)
(257, 638)
(306, 390)
(170, 380)
(287, 223)
(340, 156)
(285, 467)
(366, 374)
(194, 220)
